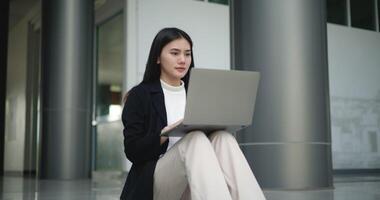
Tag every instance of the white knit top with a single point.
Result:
(175, 102)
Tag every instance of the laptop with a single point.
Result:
(218, 100)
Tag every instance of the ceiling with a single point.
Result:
(18, 9)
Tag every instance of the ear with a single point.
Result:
(158, 60)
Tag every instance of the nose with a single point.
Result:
(181, 59)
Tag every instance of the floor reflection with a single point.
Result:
(12, 188)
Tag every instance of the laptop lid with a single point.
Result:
(221, 97)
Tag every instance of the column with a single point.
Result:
(67, 38)
(289, 144)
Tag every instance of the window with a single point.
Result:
(225, 2)
(378, 13)
(363, 14)
(337, 11)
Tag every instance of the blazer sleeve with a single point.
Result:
(139, 146)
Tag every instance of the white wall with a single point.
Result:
(354, 70)
(206, 23)
(15, 97)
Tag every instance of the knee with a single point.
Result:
(196, 135)
(222, 135)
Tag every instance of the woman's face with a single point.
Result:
(175, 60)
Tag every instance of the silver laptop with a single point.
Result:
(218, 100)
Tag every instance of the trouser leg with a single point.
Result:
(169, 180)
(238, 175)
(192, 159)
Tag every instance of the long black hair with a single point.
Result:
(163, 37)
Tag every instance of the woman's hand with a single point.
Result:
(168, 128)
(163, 139)
(171, 126)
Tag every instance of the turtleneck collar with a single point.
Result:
(172, 88)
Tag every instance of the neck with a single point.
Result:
(172, 82)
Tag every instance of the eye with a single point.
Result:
(188, 54)
(174, 53)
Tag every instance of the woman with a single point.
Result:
(204, 167)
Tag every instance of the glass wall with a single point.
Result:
(378, 15)
(362, 14)
(337, 11)
(224, 2)
(109, 64)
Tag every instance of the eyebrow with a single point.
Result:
(175, 49)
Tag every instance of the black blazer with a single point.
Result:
(144, 116)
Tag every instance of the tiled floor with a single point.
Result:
(12, 188)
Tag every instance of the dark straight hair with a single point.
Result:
(163, 37)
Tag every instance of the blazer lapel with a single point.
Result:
(158, 100)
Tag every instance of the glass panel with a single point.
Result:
(225, 2)
(109, 141)
(337, 11)
(110, 65)
(363, 14)
(110, 149)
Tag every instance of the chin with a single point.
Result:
(180, 75)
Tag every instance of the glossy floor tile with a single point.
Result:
(17, 188)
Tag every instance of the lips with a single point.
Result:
(180, 69)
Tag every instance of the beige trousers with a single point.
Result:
(202, 168)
